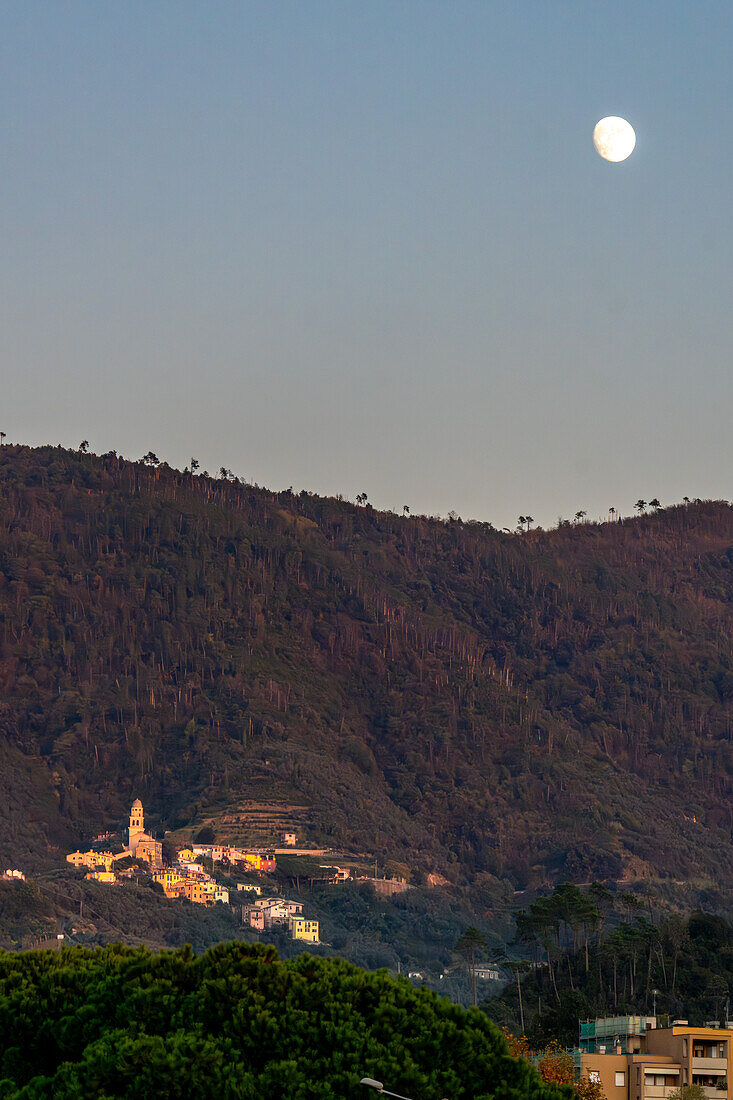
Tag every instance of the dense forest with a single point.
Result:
(510, 710)
(237, 1022)
(590, 953)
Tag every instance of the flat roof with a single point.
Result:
(703, 1032)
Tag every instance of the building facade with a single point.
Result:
(94, 860)
(108, 877)
(302, 929)
(633, 1059)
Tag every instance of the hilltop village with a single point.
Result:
(187, 877)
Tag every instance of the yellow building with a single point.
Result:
(302, 929)
(167, 877)
(95, 860)
(193, 891)
(215, 892)
(151, 851)
(102, 876)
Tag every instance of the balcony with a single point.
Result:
(699, 1065)
(659, 1092)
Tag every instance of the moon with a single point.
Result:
(614, 138)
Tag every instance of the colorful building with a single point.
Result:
(102, 876)
(302, 929)
(95, 860)
(258, 860)
(214, 892)
(192, 890)
(167, 878)
(255, 918)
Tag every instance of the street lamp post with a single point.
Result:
(372, 1084)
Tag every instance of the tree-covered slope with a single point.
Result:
(600, 954)
(522, 707)
(236, 1022)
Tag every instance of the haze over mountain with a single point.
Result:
(506, 710)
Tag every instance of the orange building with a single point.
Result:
(633, 1059)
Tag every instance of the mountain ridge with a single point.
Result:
(507, 710)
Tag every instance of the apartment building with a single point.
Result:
(94, 860)
(302, 929)
(633, 1059)
(192, 890)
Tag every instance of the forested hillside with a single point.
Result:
(526, 708)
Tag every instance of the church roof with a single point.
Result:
(137, 804)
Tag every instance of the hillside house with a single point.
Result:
(215, 892)
(192, 890)
(194, 870)
(215, 852)
(266, 912)
(302, 929)
(257, 860)
(93, 860)
(336, 875)
(487, 973)
(109, 877)
(255, 918)
(168, 878)
(292, 907)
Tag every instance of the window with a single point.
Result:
(594, 1076)
(620, 1077)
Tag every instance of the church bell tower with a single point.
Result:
(137, 829)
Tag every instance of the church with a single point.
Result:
(139, 843)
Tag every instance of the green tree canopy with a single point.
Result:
(237, 1022)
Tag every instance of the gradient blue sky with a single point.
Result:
(369, 246)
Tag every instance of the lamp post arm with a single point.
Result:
(379, 1087)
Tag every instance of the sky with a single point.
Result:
(369, 247)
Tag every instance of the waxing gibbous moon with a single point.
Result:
(614, 138)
